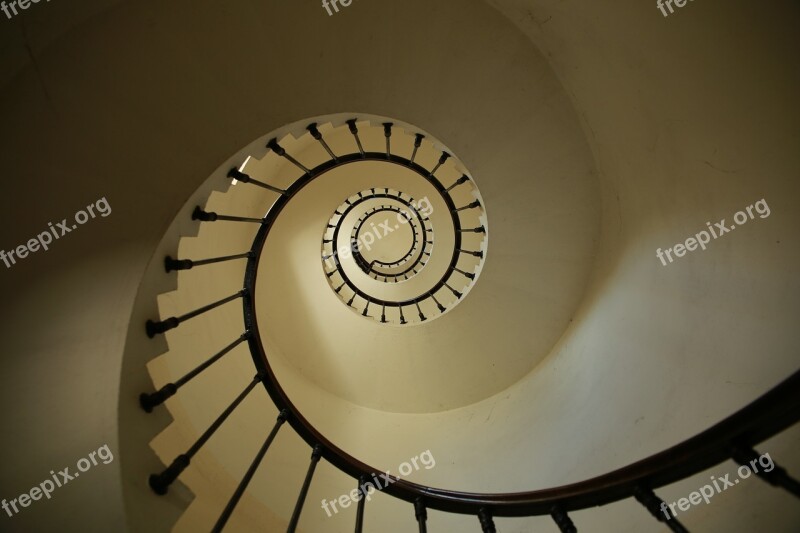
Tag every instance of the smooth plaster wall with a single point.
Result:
(673, 152)
(614, 340)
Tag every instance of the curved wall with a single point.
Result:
(690, 118)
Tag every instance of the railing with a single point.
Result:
(733, 438)
(454, 280)
(412, 261)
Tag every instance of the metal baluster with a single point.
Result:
(275, 147)
(476, 254)
(658, 509)
(442, 308)
(459, 181)
(417, 143)
(473, 205)
(485, 518)
(467, 274)
(298, 508)
(237, 495)
(236, 174)
(562, 520)
(455, 292)
(422, 317)
(160, 482)
(149, 401)
(387, 132)
(361, 502)
(318, 136)
(210, 216)
(422, 514)
(479, 229)
(777, 477)
(171, 264)
(153, 327)
(442, 159)
(354, 130)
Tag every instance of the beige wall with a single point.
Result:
(688, 118)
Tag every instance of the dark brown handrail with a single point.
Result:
(732, 438)
(770, 414)
(767, 416)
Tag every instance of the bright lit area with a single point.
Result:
(492, 266)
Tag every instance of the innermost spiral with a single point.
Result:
(387, 238)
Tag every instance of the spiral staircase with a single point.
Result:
(574, 374)
(451, 235)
